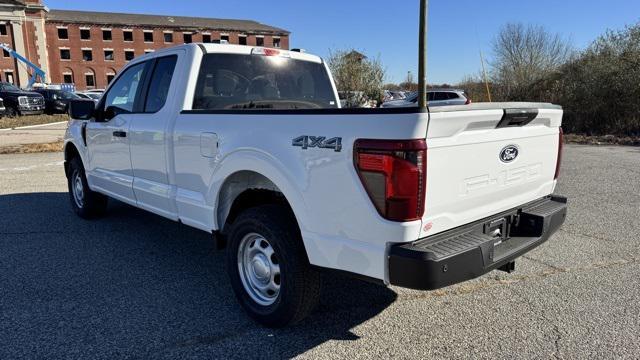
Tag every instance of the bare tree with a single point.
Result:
(358, 77)
(523, 55)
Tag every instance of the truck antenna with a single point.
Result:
(422, 55)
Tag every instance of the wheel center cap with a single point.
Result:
(261, 267)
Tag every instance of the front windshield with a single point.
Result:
(65, 95)
(10, 87)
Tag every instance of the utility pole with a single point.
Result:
(422, 55)
(484, 74)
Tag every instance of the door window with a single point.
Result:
(160, 83)
(122, 94)
(440, 96)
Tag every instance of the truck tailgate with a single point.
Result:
(478, 166)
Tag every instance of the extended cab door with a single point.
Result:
(109, 169)
(149, 136)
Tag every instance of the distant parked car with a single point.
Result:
(20, 102)
(90, 96)
(390, 95)
(56, 101)
(435, 97)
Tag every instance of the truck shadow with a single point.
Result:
(136, 285)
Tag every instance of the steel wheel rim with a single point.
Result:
(78, 189)
(259, 269)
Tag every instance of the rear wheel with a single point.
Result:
(84, 202)
(268, 267)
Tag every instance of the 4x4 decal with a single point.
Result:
(321, 142)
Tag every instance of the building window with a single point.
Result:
(276, 42)
(63, 33)
(3, 29)
(148, 51)
(8, 76)
(260, 41)
(5, 53)
(65, 54)
(67, 78)
(129, 55)
(110, 78)
(90, 79)
(224, 38)
(85, 34)
(87, 55)
(188, 38)
(242, 40)
(108, 55)
(206, 38)
(106, 35)
(128, 35)
(168, 37)
(148, 36)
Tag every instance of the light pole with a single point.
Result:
(422, 55)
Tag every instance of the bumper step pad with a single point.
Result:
(470, 251)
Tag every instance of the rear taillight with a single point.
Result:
(559, 159)
(394, 174)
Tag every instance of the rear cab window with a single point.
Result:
(256, 82)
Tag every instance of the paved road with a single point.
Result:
(137, 286)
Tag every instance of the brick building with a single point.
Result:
(88, 48)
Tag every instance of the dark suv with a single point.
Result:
(20, 102)
(56, 101)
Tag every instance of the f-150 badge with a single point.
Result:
(321, 142)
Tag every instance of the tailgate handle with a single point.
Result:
(517, 117)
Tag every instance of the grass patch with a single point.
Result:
(7, 122)
(32, 148)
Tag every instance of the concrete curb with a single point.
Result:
(39, 125)
(34, 126)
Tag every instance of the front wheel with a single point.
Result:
(11, 112)
(268, 267)
(84, 202)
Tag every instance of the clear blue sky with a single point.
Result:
(457, 29)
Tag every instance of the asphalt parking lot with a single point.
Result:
(133, 285)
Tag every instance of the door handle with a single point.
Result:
(120, 133)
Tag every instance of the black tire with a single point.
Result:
(299, 284)
(90, 204)
(11, 112)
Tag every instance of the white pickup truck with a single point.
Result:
(250, 144)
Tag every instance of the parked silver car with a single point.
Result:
(90, 96)
(435, 97)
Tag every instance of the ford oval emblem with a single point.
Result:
(509, 153)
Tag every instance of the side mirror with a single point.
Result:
(109, 113)
(81, 109)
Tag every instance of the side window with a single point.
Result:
(430, 96)
(439, 96)
(160, 83)
(452, 96)
(122, 94)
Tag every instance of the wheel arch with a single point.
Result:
(244, 189)
(70, 152)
